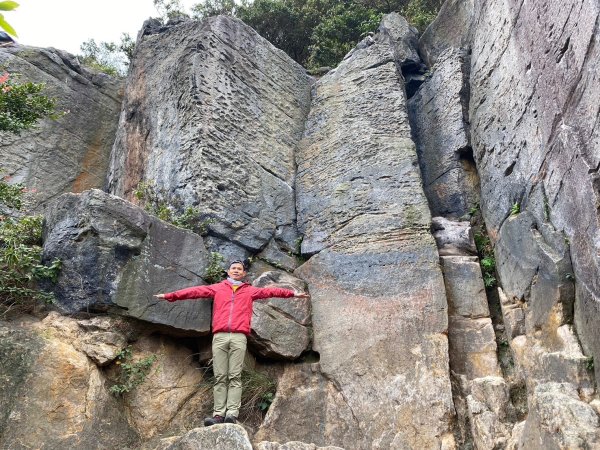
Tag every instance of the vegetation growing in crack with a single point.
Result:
(214, 271)
(485, 248)
(153, 201)
(132, 373)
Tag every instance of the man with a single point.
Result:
(232, 312)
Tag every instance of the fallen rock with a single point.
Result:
(115, 256)
(217, 437)
(453, 238)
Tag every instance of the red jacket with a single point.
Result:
(232, 311)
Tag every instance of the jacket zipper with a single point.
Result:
(231, 311)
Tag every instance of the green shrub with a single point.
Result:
(21, 252)
(22, 104)
(132, 374)
(515, 209)
(419, 13)
(214, 272)
(153, 201)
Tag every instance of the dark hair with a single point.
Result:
(239, 261)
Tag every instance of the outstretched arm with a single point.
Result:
(185, 294)
(278, 292)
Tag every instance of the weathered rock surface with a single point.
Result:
(294, 445)
(490, 412)
(535, 139)
(558, 419)
(471, 337)
(309, 408)
(212, 115)
(382, 346)
(439, 120)
(116, 256)
(453, 238)
(281, 327)
(58, 398)
(72, 153)
(452, 28)
(218, 437)
(173, 394)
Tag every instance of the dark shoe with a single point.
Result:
(230, 419)
(213, 421)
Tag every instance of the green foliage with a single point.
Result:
(339, 32)
(316, 32)
(152, 199)
(169, 9)
(419, 13)
(214, 271)
(20, 254)
(132, 373)
(258, 391)
(22, 104)
(210, 8)
(486, 258)
(590, 363)
(515, 209)
(112, 58)
(7, 5)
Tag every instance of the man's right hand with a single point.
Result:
(159, 295)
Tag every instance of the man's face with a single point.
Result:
(236, 271)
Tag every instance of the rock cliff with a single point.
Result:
(71, 153)
(361, 191)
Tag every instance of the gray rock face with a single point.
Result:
(309, 408)
(535, 138)
(439, 119)
(451, 29)
(280, 326)
(115, 256)
(212, 116)
(361, 206)
(338, 201)
(72, 153)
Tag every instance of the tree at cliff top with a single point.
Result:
(314, 32)
(112, 58)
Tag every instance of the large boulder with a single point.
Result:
(115, 256)
(72, 153)
(281, 327)
(212, 115)
(218, 437)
